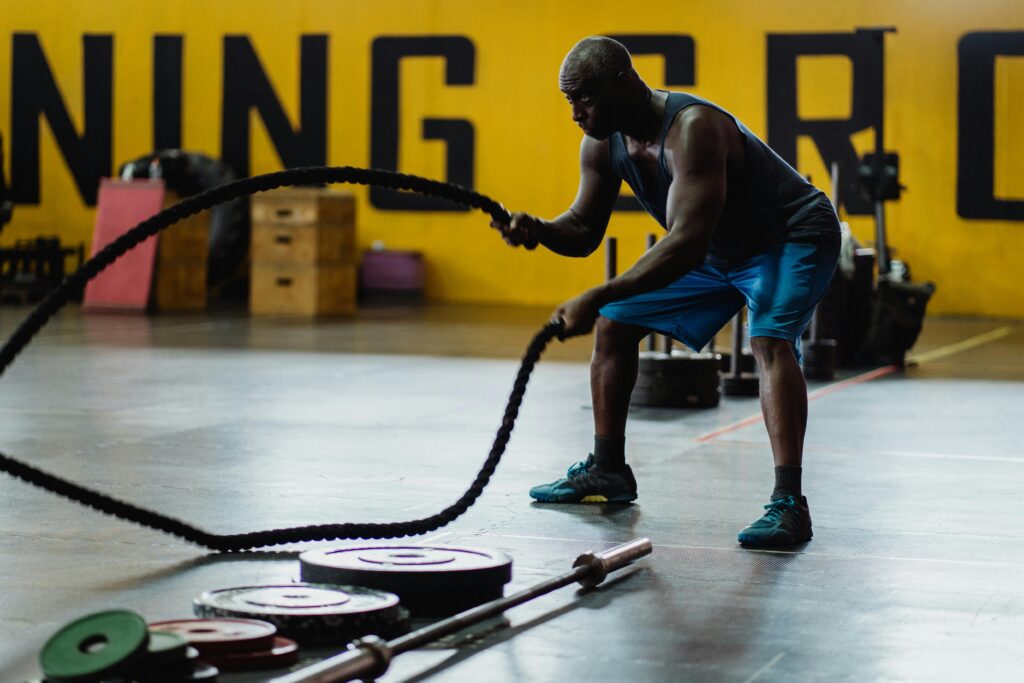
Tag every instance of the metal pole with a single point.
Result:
(611, 258)
(737, 344)
(652, 337)
(815, 321)
(880, 247)
(370, 657)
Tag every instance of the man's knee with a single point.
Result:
(770, 350)
(612, 337)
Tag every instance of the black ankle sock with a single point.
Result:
(787, 482)
(610, 454)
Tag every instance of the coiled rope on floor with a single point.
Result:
(205, 200)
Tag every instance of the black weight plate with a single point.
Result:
(747, 362)
(436, 604)
(207, 673)
(306, 612)
(744, 385)
(166, 648)
(682, 379)
(819, 359)
(409, 569)
(677, 361)
(147, 671)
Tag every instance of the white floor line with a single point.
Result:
(433, 539)
(812, 447)
(738, 549)
(765, 668)
(968, 343)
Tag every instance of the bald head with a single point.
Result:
(596, 57)
(598, 80)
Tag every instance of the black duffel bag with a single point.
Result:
(896, 317)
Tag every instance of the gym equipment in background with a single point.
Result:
(670, 378)
(739, 382)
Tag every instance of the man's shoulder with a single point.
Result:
(596, 151)
(698, 135)
(697, 121)
(697, 112)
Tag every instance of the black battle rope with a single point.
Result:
(200, 202)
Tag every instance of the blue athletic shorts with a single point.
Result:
(780, 287)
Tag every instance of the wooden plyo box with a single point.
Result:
(182, 254)
(288, 243)
(302, 289)
(303, 253)
(304, 206)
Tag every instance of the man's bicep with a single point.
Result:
(599, 186)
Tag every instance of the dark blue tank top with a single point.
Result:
(771, 202)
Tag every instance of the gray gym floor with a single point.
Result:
(238, 424)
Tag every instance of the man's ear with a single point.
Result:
(626, 79)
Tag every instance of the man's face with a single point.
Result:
(592, 100)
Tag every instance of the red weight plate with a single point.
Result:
(216, 636)
(284, 653)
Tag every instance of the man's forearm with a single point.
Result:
(568, 235)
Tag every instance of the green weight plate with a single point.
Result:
(95, 646)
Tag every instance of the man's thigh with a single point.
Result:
(783, 285)
(692, 309)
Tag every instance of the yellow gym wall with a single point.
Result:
(526, 146)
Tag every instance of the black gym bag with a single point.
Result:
(896, 317)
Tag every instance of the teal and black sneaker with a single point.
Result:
(787, 521)
(586, 482)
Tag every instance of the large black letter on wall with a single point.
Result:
(865, 48)
(678, 51)
(167, 92)
(975, 173)
(460, 63)
(34, 91)
(246, 86)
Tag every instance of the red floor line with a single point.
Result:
(831, 388)
(859, 379)
(745, 422)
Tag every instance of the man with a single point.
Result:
(743, 228)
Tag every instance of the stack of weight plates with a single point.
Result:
(680, 379)
(310, 614)
(117, 645)
(232, 644)
(432, 581)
